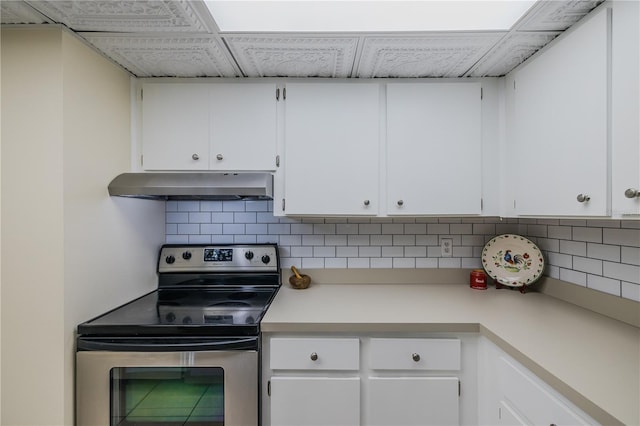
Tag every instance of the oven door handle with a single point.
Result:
(164, 345)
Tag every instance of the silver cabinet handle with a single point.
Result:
(582, 198)
(219, 157)
(195, 157)
(314, 356)
(400, 202)
(367, 202)
(415, 357)
(632, 193)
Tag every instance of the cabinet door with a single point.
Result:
(331, 149)
(532, 400)
(561, 131)
(625, 108)
(175, 127)
(317, 401)
(434, 143)
(243, 126)
(405, 401)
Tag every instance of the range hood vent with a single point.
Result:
(193, 186)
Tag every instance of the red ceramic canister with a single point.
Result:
(478, 279)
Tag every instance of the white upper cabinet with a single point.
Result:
(434, 148)
(625, 108)
(175, 127)
(243, 126)
(558, 157)
(331, 149)
(193, 126)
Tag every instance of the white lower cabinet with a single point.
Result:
(317, 401)
(405, 401)
(365, 380)
(510, 394)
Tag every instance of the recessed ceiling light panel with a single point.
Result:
(366, 15)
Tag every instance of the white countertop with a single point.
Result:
(591, 359)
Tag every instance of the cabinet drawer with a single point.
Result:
(415, 354)
(315, 354)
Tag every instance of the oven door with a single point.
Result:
(167, 388)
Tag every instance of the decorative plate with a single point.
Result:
(512, 260)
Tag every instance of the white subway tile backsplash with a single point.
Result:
(324, 228)
(604, 252)
(622, 271)
(357, 262)
(348, 251)
(592, 235)
(630, 291)
(233, 228)
(336, 262)
(313, 240)
(404, 240)
(560, 232)
(449, 262)
(415, 251)
(404, 262)
(369, 251)
(584, 264)
(246, 217)
(199, 217)
(188, 228)
(623, 237)
(578, 248)
(630, 255)
(211, 206)
(357, 240)
(601, 254)
(572, 276)
(189, 206)
(381, 262)
(605, 285)
(393, 251)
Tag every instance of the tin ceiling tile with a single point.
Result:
(510, 52)
(18, 12)
(556, 15)
(129, 16)
(443, 55)
(166, 56)
(294, 55)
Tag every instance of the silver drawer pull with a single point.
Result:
(415, 357)
(195, 157)
(219, 157)
(314, 356)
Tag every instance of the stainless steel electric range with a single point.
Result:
(186, 353)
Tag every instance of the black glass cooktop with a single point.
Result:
(186, 312)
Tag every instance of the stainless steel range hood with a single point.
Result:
(193, 186)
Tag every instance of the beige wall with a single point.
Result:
(66, 245)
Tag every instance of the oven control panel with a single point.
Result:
(223, 258)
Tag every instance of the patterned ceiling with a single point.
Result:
(179, 38)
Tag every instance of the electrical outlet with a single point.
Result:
(446, 247)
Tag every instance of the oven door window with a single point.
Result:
(167, 396)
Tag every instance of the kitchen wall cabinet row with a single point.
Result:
(332, 380)
(558, 136)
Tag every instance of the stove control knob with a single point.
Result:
(266, 259)
(187, 320)
(186, 255)
(170, 259)
(248, 255)
(170, 317)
